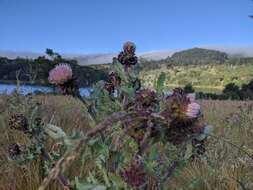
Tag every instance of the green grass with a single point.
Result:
(227, 167)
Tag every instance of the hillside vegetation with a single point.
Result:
(206, 70)
(198, 56)
(35, 71)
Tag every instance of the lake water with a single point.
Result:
(25, 89)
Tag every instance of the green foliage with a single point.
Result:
(231, 91)
(188, 88)
(198, 56)
(35, 71)
(160, 82)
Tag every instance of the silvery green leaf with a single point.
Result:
(154, 153)
(55, 132)
(68, 142)
(84, 186)
(129, 90)
(98, 187)
(208, 129)
(200, 137)
(118, 68)
(188, 152)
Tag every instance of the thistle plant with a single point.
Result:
(37, 133)
(158, 133)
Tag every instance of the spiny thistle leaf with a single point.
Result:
(188, 151)
(119, 70)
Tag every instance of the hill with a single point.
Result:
(198, 56)
(207, 70)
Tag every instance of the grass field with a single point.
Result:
(227, 167)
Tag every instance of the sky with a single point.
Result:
(95, 26)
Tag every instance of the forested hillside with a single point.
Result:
(206, 70)
(35, 71)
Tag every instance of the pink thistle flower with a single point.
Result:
(193, 110)
(191, 97)
(60, 74)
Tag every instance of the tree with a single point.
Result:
(49, 52)
(232, 91)
(188, 88)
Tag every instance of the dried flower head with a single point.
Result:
(146, 100)
(109, 87)
(127, 56)
(129, 47)
(60, 74)
(114, 78)
(127, 59)
(113, 81)
(134, 175)
(14, 150)
(19, 122)
(178, 131)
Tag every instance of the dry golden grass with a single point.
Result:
(226, 168)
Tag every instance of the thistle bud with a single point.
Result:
(146, 100)
(18, 122)
(129, 47)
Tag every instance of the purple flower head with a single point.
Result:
(193, 110)
(191, 97)
(60, 74)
